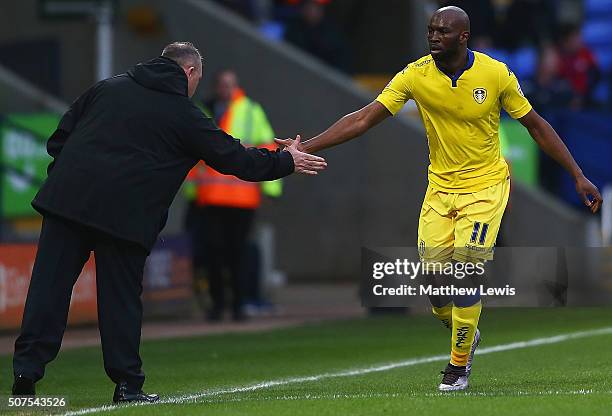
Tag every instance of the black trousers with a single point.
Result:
(222, 234)
(63, 248)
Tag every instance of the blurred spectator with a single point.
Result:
(549, 90)
(314, 32)
(223, 207)
(525, 22)
(482, 20)
(578, 66)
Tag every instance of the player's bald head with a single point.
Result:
(452, 16)
(448, 33)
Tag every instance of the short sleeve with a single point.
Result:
(512, 98)
(397, 92)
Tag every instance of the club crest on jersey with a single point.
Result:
(480, 95)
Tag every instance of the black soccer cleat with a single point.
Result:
(124, 394)
(454, 379)
(23, 386)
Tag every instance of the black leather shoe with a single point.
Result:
(125, 394)
(23, 386)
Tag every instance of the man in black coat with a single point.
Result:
(120, 154)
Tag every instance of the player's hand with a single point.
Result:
(288, 142)
(589, 193)
(304, 162)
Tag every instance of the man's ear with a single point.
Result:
(191, 70)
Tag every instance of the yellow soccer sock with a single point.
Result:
(465, 322)
(444, 314)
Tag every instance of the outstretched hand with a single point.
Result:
(589, 193)
(289, 142)
(305, 163)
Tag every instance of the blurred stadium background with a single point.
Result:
(307, 63)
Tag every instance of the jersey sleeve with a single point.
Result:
(397, 92)
(512, 98)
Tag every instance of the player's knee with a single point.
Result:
(440, 301)
(465, 301)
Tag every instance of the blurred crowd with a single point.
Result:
(567, 74)
(561, 50)
(303, 23)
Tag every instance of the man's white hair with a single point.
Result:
(183, 53)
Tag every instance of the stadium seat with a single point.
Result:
(604, 58)
(602, 92)
(524, 62)
(596, 9)
(273, 30)
(598, 33)
(583, 132)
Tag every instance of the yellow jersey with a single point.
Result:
(461, 118)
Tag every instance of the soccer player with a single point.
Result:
(459, 94)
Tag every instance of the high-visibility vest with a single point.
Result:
(245, 120)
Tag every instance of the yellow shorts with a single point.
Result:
(461, 227)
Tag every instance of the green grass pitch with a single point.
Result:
(562, 377)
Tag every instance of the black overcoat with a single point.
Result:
(122, 150)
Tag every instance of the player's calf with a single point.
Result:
(468, 367)
(465, 324)
(443, 313)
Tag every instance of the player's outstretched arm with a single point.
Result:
(348, 127)
(549, 141)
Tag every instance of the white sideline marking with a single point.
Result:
(354, 372)
(336, 396)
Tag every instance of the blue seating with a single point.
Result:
(524, 62)
(273, 30)
(598, 32)
(602, 92)
(604, 58)
(597, 8)
(583, 132)
(500, 55)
